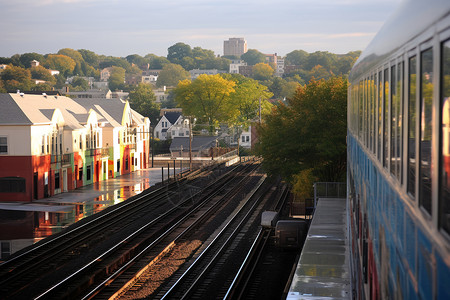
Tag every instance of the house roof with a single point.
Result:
(110, 109)
(11, 112)
(198, 143)
(25, 109)
(39, 109)
(172, 116)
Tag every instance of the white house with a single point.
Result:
(168, 119)
(235, 64)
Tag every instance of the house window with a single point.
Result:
(3, 145)
(126, 163)
(80, 173)
(118, 165)
(43, 145)
(12, 185)
(157, 134)
(57, 180)
(243, 139)
(88, 172)
(247, 138)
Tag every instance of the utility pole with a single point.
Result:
(190, 145)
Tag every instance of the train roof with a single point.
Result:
(411, 19)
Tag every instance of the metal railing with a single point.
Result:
(329, 190)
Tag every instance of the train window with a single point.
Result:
(386, 119)
(444, 197)
(371, 111)
(380, 107)
(366, 113)
(412, 116)
(374, 111)
(394, 121)
(360, 100)
(426, 113)
(400, 71)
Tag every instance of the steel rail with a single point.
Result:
(127, 239)
(118, 272)
(167, 295)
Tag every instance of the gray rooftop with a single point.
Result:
(11, 113)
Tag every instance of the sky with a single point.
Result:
(123, 27)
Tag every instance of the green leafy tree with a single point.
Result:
(253, 57)
(138, 60)
(80, 84)
(171, 74)
(117, 78)
(16, 78)
(111, 61)
(288, 89)
(207, 98)
(309, 132)
(143, 100)
(26, 59)
(89, 57)
(60, 62)
(156, 62)
(246, 99)
(296, 58)
(177, 52)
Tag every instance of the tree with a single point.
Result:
(296, 58)
(157, 62)
(117, 78)
(138, 60)
(171, 74)
(143, 100)
(246, 99)
(26, 59)
(2, 87)
(89, 57)
(177, 52)
(16, 78)
(80, 84)
(262, 71)
(111, 61)
(42, 73)
(323, 58)
(60, 62)
(73, 54)
(207, 98)
(252, 57)
(309, 132)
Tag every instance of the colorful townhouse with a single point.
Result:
(53, 144)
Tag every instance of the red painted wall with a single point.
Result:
(25, 167)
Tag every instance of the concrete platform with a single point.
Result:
(323, 271)
(108, 191)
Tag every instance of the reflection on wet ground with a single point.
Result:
(24, 224)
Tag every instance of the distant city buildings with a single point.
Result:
(234, 46)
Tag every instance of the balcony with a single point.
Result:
(101, 152)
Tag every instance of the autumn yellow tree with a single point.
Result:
(262, 71)
(60, 62)
(207, 98)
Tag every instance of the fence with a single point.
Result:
(329, 190)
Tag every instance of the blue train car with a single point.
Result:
(399, 157)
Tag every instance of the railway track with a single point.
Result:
(256, 279)
(51, 259)
(208, 276)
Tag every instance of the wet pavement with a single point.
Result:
(22, 224)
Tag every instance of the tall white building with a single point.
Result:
(235, 46)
